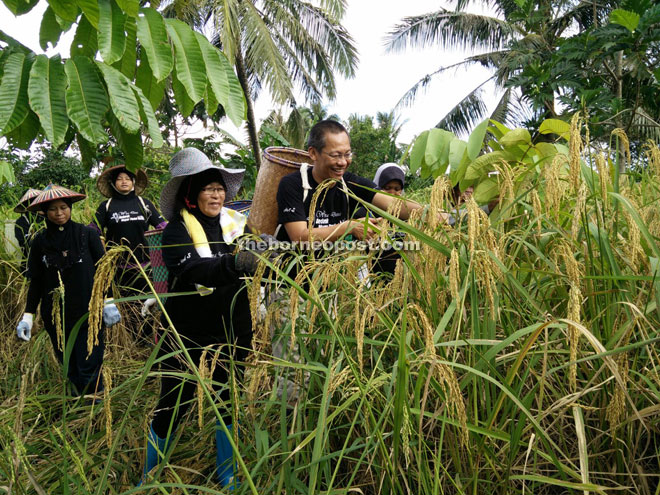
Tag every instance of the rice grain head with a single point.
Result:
(575, 151)
(536, 207)
(578, 211)
(439, 192)
(203, 375)
(574, 305)
(603, 177)
(107, 405)
(625, 144)
(105, 274)
(616, 408)
(454, 276)
(58, 299)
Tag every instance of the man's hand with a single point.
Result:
(364, 231)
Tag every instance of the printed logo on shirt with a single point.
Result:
(127, 216)
(292, 209)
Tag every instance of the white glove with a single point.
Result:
(111, 314)
(24, 327)
(147, 305)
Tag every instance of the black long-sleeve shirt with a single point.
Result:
(213, 318)
(125, 221)
(70, 253)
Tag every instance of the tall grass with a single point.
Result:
(513, 354)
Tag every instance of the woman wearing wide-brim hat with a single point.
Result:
(26, 225)
(65, 253)
(198, 250)
(123, 219)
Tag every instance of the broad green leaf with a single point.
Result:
(127, 63)
(235, 106)
(20, 7)
(91, 10)
(625, 18)
(152, 89)
(188, 59)
(84, 42)
(183, 102)
(483, 164)
(50, 30)
(6, 173)
(13, 92)
(486, 190)
(122, 99)
(86, 99)
(223, 81)
(66, 9)
(155, 44)
(555, 126)
(46, 90)
(545, 149)
(111, 36)
(436, 155)
(87, 152)
(130, 144)
(516, 137)
(149, 118)
(24, 135)
(130, 7)
(210, 102)
(497, 129)
(457, 151)
(476, 140)
(14, 44)
(417, 153)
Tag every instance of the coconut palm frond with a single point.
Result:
(466, 114)
(450, 30)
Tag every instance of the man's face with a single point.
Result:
(333, 160)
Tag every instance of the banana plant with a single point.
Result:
(474, 162)
(122, 59)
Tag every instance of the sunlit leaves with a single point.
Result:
(86, 99)
(13, 91)
(188, 59)
(46, 95)
(153, 38)
(111, 36)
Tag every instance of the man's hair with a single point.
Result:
(318, 132)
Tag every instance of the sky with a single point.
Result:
(382, 78)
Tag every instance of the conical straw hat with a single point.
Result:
(26, 199)
(53, 192)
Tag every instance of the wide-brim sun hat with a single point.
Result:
(53, 192)
(189, 162)
(104, 181)
(26, 199)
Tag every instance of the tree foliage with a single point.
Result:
(373, 143)
(123, 59)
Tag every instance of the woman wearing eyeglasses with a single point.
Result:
(198, 250)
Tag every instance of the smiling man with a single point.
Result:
(329, 147)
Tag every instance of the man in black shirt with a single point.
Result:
(329, 147)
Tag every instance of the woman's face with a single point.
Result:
(123, 182)
(58, 212)
(393, 187)
(211, 199)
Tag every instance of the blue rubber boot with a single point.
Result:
(156, 447)
(224, 460)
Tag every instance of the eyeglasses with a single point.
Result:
(338, 156)
(213, 190)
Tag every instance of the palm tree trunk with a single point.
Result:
(251, 122)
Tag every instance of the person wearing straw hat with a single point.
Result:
(214, 314)
(26, 225)
(123, 219)
(65, 254)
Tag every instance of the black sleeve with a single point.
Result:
(36, 268)
(22, 230)
(187, 266)
(155, 219)
(358, 185)
(98, 222)
(95, 245)
(290, 206)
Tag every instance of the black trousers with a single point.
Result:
(84, 370)
(178, 392)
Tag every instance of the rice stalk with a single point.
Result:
(537, 209)
(625, 144)
(578, 211)
(203, 375)
(603, 177)
(554, 186)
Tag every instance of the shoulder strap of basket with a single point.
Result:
(145, 210)
(305, 180)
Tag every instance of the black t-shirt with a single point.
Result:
(126, 219)
(333, 206)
